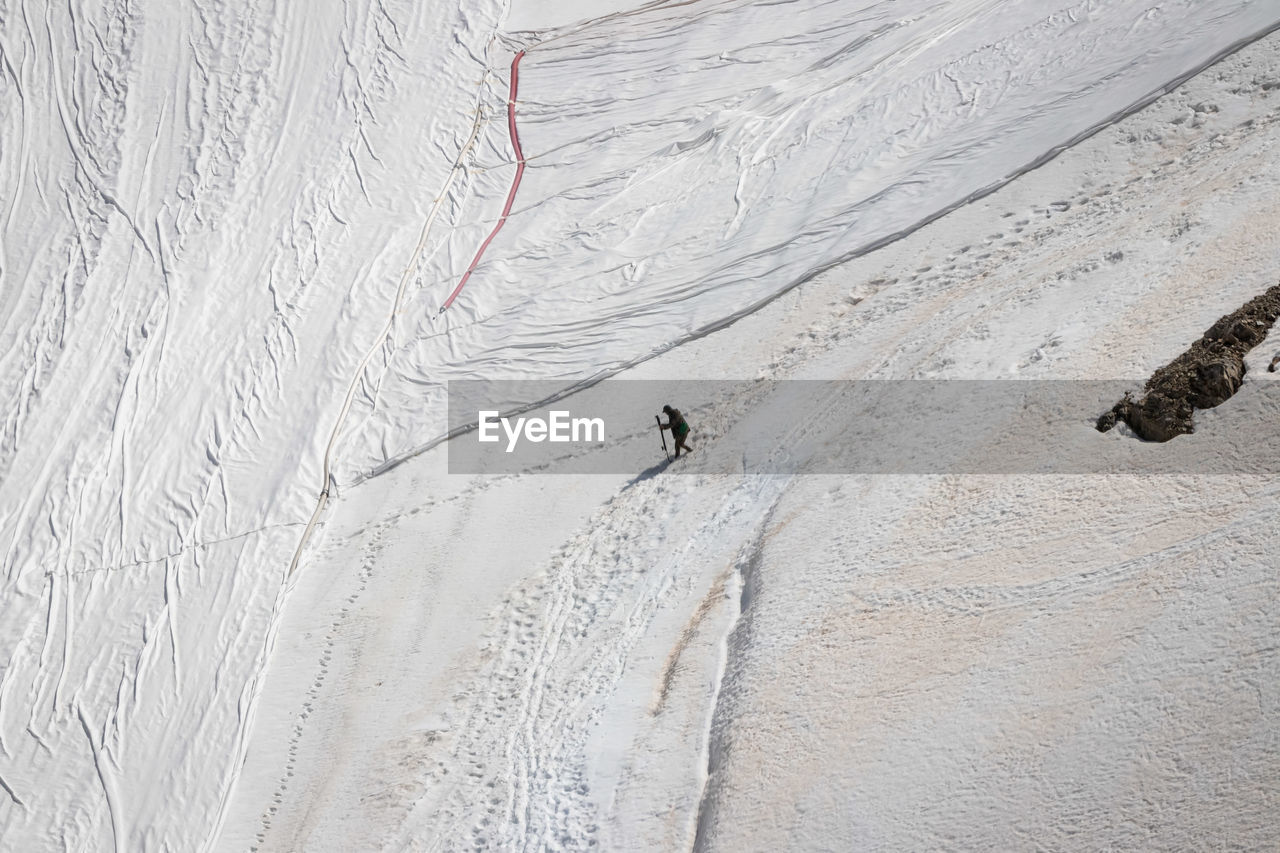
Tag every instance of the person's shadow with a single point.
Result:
(649, 473)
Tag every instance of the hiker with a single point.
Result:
(679, 428)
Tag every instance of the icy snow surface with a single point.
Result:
(227, 230)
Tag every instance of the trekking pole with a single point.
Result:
(667, 453)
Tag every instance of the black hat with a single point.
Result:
(666, 409)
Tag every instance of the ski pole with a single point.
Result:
(665, 452)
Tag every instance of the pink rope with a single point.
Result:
(515, 184)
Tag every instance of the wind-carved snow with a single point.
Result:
(686, 164)
(209, 210)
(203, 221)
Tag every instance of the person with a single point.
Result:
(679, 428)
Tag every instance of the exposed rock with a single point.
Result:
(1204, 376)
(1214, 382)
(1232, 331)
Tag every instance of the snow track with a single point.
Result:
(567, 639)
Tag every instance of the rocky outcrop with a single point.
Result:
(1204, 376)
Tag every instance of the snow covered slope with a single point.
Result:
(688, 162)
(660, 662)
(183, 304)
(227, 232)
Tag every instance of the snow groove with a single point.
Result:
(746, 570)
(167, 558)
(119, 829)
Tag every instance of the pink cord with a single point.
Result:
(515, 184)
